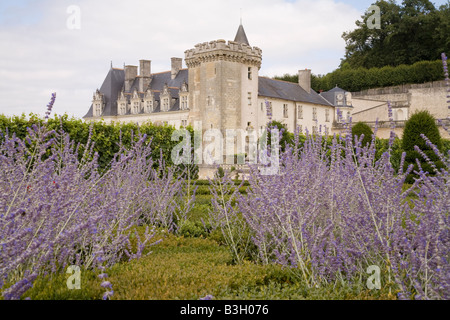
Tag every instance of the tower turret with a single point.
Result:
(223, 83)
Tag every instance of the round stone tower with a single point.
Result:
(223, 83)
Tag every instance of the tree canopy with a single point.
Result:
(413, 31)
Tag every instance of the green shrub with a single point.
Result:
(421, 122)
(361, 128)
(362, 78)
(105, 136)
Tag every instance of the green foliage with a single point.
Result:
(105, 136)
(410, 32)
(421, 122)
(191, 268)
(361, 128)
(382, 146)
(286, 136)
(445, 146)
(360, 78)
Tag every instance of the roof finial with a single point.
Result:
(111, 64)
(241, 16)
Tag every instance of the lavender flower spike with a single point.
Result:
(447, 80)
(50, 105)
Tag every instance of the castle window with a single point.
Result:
(285, 110)
(209, 101)
(184, 123)
(314, 116)
(249, 98)
(136, 108)
(314, 129)
(327, 115)
(184, 103)
(122, 109)
(300, 112)
(250, 73)
(166, 104)
(98, 109)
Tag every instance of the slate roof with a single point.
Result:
(241, 37)
(111, 86)
(330, 95)
(272, 88)
(114, 82)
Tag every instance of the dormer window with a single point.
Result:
(122, 109)
(166, 104)
(136, 107)
(98, 109)
(340, 99)
(184, 103)
(149, 106)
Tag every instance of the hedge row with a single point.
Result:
(361, 78)
(105, 136)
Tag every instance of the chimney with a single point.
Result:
(130, 75)
(145, 72)
(304, 79)
(145, 68)
(176, 66)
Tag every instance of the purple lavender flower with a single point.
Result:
(45, 227)
(50, 105)
(108, 295)
(447, 80)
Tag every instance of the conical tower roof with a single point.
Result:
(240, 36)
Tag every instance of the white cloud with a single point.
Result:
(41, 55)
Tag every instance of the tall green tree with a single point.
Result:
(410, 32)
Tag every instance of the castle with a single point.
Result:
(221, 88)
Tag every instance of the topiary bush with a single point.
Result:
(361, 128)
(421, 123)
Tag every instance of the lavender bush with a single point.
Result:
(57, 210)
(225, 216)
(334, 210)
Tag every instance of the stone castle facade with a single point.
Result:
(221, 88)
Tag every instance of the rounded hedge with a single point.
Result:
(421, 122)
(361, 128)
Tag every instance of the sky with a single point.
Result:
(67, 46)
